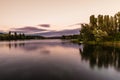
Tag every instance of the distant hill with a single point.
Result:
(1, 32)
(59, 33)
(32, 30)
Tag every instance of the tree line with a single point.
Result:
(76, 36)
(17, 36)
(101, 28)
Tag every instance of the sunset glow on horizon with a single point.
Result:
(61, 13)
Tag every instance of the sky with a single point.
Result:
(59, 13)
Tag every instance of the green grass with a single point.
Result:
(106, 43)
(76, 41)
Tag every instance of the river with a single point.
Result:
(58, 60)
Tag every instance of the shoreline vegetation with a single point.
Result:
(17, 36)
(14, 36)
(107, 43)
(101, 30)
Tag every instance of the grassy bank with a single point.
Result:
(76, 41)
(106, 43)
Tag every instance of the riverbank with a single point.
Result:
(106, 43)
(76, 41)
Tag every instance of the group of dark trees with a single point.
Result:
(70, 36)
(102, 28)
(18, 36)
(12, 36)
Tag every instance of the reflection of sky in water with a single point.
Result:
(57, 59)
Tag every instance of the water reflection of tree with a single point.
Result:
(15, 45)
(101, 56)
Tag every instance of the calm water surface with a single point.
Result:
(58, 60)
